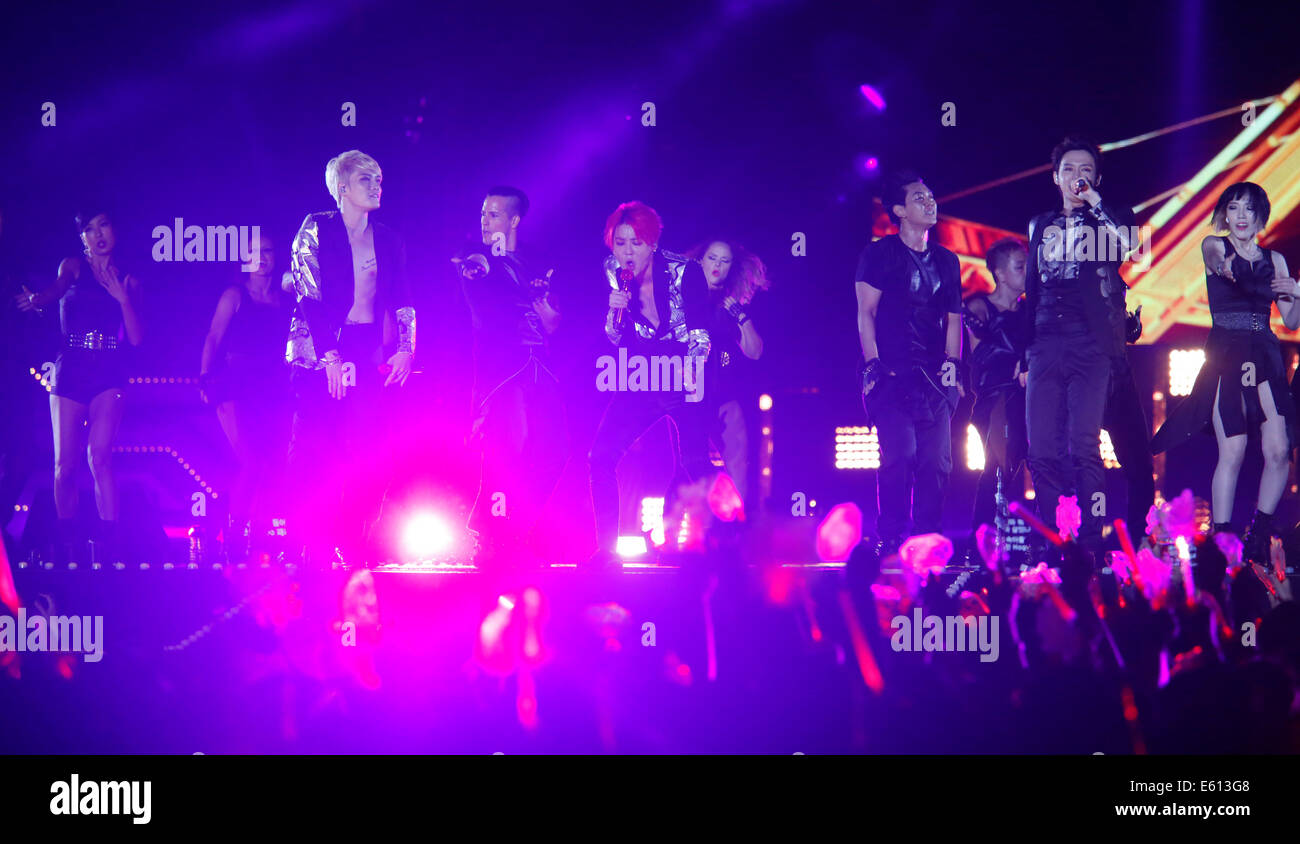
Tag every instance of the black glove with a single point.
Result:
(871, 374)
(471, 267)
(539, 287)
(737, 313)
(1133, 325)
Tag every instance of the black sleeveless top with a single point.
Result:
(1002, 340)
(86, 306)
(1250, 293)
(256, 331)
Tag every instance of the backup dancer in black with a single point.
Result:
(998, 334)
(734, 275)
(909, 324)
(518, 414)
(98, 315)
(242, 374)
(1242, 384)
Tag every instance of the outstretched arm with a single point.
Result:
(29, 301)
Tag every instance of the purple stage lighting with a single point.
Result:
(872, 96)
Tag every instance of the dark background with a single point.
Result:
(226, 115)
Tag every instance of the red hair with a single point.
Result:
(643, 219)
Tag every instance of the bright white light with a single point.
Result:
(1108, 458)
(652, 519)
(425, 535)
(765, 402)
(974, 449)
(856, 447)
(631, 546)
(1184, 364)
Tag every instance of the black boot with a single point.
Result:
(1258, 539)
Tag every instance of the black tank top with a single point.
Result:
(1250, 293)
(257, 330)
(1002, 339)
(86, 306)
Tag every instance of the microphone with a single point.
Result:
(1081, 185)
(620, 278)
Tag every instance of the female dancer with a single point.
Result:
(734, 275)
(98, 306)
(1243, 382)
(244, 375)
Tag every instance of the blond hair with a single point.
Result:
(342, 166)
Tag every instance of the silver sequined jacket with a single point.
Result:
(322, 270)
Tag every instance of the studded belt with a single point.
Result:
(1242, 321)
(93, 340)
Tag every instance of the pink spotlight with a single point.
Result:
(867, 164)
(425, 535)
(872, 96)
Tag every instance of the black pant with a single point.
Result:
(1069, 378)
(520, 425)
(1131, 435)
(913, 422)
(628, 416)
(999, 416)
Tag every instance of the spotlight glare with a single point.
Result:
(1108, 458)
(631, 546)
(1184, 364)
(425, 535)
(974, 449)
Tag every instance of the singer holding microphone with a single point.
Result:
(658, 307)
(1077, 328)
(1242, 384)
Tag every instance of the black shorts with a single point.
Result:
(82, 374)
